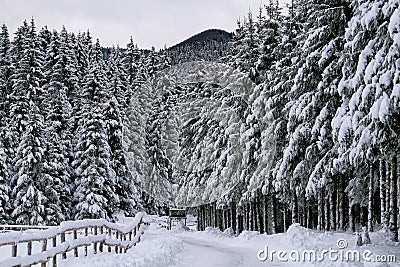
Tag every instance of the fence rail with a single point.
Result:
(56, 241)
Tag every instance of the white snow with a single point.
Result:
(36, 236)
(183, 247)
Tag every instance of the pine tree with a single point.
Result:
(368, 113)
(33, 202)
(114, 115)
(269, 33)
(131, 61)
(95, 177)
(36, 199)
(58, 112)
(5, 73)
(4, 185)
(246, 44)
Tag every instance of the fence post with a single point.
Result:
(44, 248)
(14, 251)
(140, 222)
(64, 255)
(101, 243)
(121, 238)
(86, 247)
(55, 256)
(116, 238)
(134, 234)
(30, 248)
(76, 249)
(110, 236)
(95, 243)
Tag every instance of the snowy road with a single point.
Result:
(161, 248)
(212, 248)
(199, 253)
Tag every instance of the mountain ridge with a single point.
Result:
(217, 35)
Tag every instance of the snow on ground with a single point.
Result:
(183, 247)
(157, 248)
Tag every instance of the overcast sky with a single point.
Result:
(149, 22)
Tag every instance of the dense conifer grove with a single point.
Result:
(313, 139)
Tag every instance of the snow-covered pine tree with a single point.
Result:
(80, 52)
(131, 61)
(44, 39)
(125, 186)
(4, 185)
(95, 177)
(34, 199)
(154, 62)
(309, 96)
(4, 114)
(245, 47)
(369, 87)
(276, 87)
(16, 105)
(5, 72)
(58, 132)
(268, 29)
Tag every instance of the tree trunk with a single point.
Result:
(255, 219)
(382, 193)
(332, 209)
(295, 207)
(260, 224)
(219, 219)
(320, 210)
(305, 211)
(371, 197)
(398, 188)
(210, 220)
(341, 203)
(393, 201)
(284, 218)
(352, 227)
(206, 215)
(247, 216)
(327, 212)
(273, 214)
(310, 223)
(234, 217)
(239, 220)
(388, 185)
(198, 219)
(266, 204)
(203, 225)
(225, 219)
(215, 214)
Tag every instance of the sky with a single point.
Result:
(150, 22)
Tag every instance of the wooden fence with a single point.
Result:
(55, 242)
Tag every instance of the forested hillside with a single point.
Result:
(210, 45)
(62, 108)
(294, 120)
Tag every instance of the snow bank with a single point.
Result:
(180, 227)
(158, 249)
